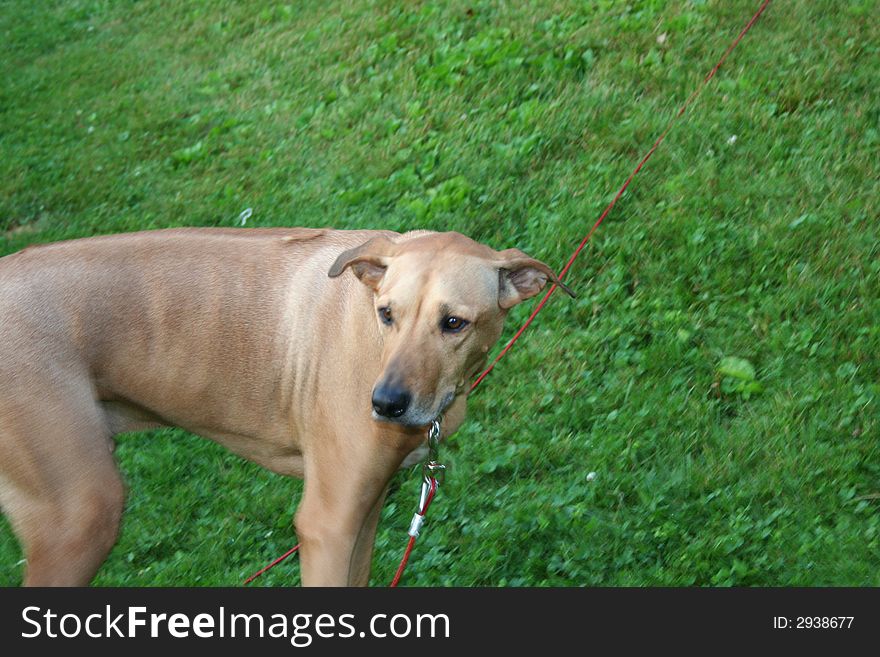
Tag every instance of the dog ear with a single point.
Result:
(367, 261)
(521, 277)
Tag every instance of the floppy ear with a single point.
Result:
(367, 261)
(521, 277)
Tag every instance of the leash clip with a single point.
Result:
(433, 469)
(434, 438)
(432, 477)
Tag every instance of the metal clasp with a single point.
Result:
(432, 476)
(434, 438)
(433, 469)
(423, 496)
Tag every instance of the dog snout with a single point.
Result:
(390, 401)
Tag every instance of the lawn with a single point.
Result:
(719, 370)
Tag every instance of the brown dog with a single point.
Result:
(242, 337)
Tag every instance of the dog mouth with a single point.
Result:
(414, 417)
(399, 421)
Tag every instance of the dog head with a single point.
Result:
(439, 301)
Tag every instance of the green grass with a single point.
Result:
(513, 123)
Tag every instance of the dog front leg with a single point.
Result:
(335, 524)
(362, 559)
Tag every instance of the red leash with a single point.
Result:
(431, 481)
(414, 529)
(620, 192)
(272, 565)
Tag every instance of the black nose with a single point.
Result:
(389, 401)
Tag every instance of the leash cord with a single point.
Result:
(413, 536)
(271, 565)
(620, 192)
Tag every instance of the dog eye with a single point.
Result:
(385, 315)
(453, 324)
